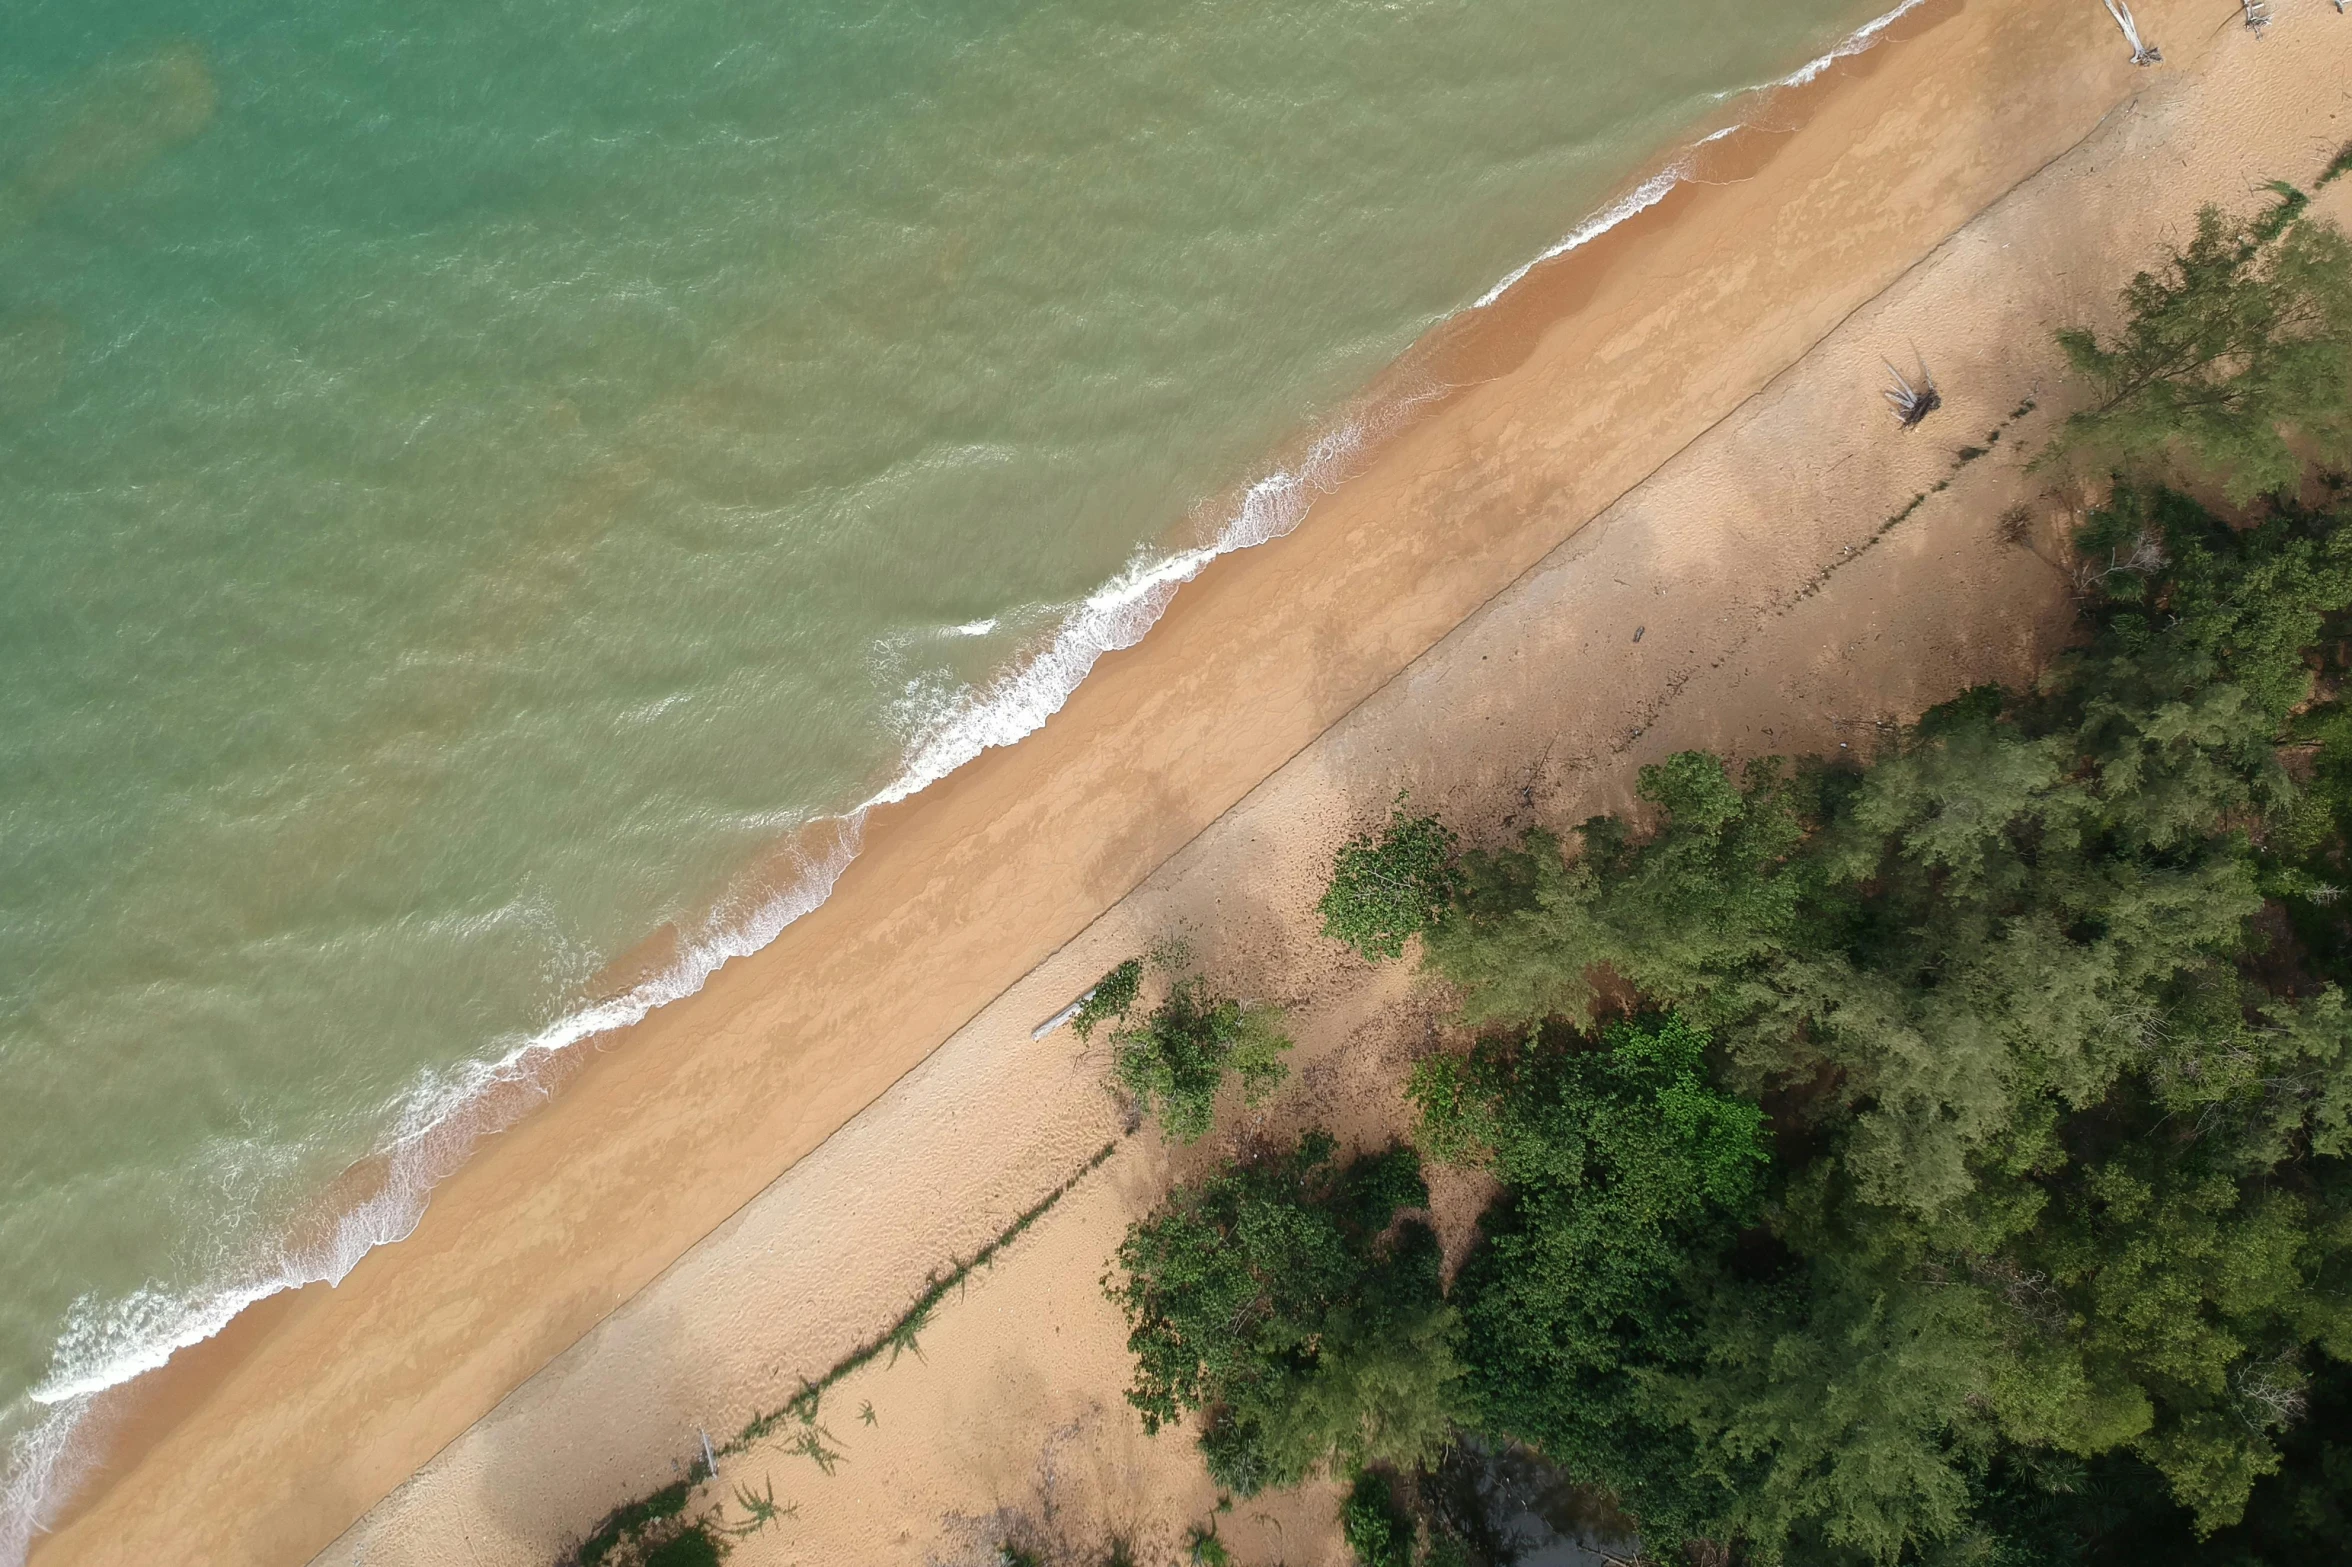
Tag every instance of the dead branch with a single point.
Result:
(2143, 52)
(1912, 403)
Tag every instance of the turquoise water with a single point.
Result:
(480, 476)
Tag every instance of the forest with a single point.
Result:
(1942, 1155)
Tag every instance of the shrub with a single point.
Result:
(1388, 889)
(1204, 1549)
(1175, 1060)
(1111, 997)
(1376, 1529)
(1284, 1301)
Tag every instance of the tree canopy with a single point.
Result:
(2229, 353)
(1942, 1155)
(1386, 889)
(1286, 1300)
(1176, 1057)
(2069, 1120)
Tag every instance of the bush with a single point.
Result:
(1388, 889)
(1176, 1059)
(1111, 997)
(1375, 1528)
(1284, 1301)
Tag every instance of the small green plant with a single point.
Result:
(1110, 998)
(813, 1445)
(1387, 889)
(1375, 1528)
(1175, 1060)
(1011, 1555)
(760, 1509)
(1205, 1549)
(905, 1338)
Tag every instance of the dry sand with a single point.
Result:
(1700, 387)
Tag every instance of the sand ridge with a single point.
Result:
(1718, 316)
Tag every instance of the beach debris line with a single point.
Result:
(2143, 52)
(1912, 403)
(628, 1533)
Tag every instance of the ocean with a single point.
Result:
(492, 488)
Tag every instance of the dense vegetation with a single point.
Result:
(1387, 889)
(1942, 1157)
(1287, 1300)
(1174, 1059)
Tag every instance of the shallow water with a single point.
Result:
(480, 476)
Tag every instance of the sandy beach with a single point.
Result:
(1651, 513)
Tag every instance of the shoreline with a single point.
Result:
(973, 833)
(1782, 614)
(379, 1201)
(437, 1133)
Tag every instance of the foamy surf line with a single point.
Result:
(1658, 186)
(448, 1114)
(108, 1344)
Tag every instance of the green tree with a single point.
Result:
(2238, 343)
(1621, 1166)
(1388, 889)
(2069, 1125)
(1285, 1301)
(1176, 1058)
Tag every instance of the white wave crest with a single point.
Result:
(1852, 44)
(1656, 188)
(1018, 701)
(45, 1460)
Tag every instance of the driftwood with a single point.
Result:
(1063, 1016)
(2143, 52)
(1912, 403)
(2258, 14)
